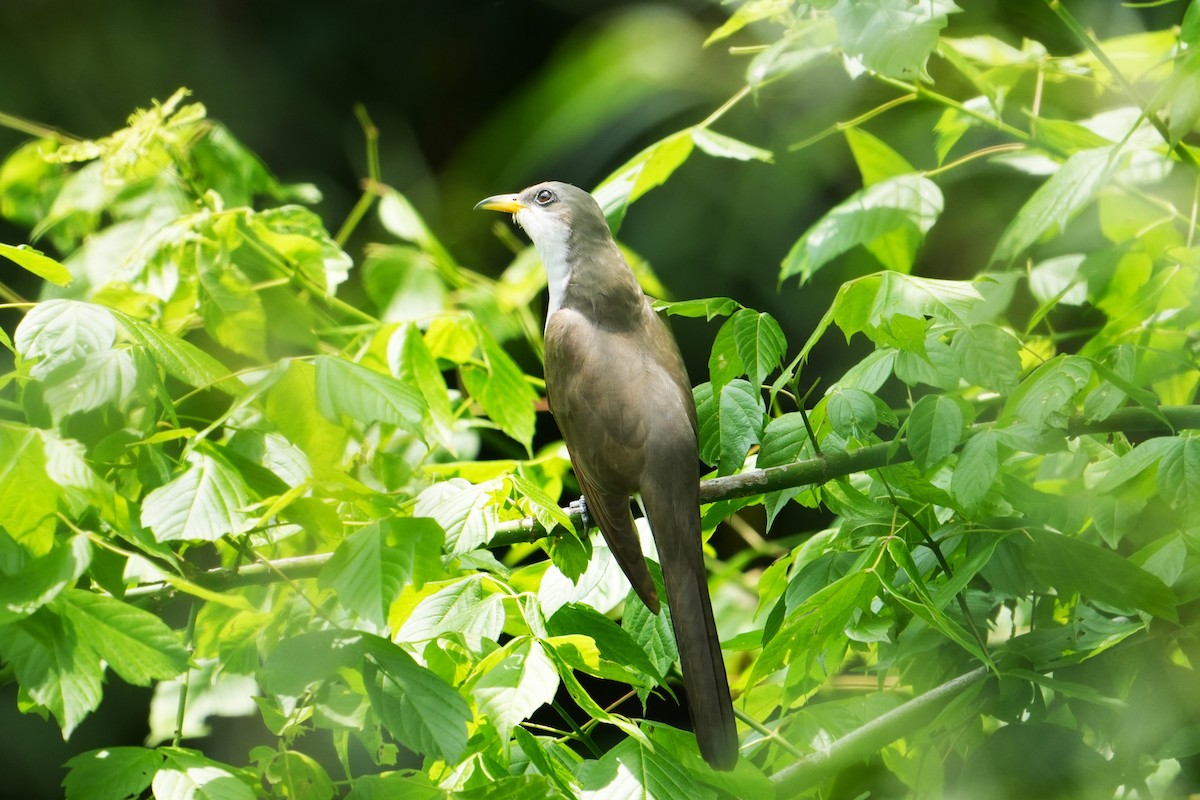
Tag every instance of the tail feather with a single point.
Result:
(674, 516)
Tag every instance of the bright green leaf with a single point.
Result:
(889, 218)
(206, 501)
(136, 644)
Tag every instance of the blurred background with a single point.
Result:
(478, 97)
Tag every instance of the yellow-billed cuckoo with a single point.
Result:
(618, 389)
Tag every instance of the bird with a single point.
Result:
(618, 389)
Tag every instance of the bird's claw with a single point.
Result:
(580, 506)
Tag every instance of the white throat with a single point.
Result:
(550, 238)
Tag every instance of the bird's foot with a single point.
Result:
(580, 506)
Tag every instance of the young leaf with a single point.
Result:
(514, 681)
(722, 146)
(876, 161)
(136, 644)
(206, 501)
(889, 218)
(643, 172)
(415, 705)
(501, 388)
(346, 390)
(760, 343)
(36, 262)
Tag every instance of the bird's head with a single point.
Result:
(551, 213)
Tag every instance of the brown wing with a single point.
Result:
(605, 442)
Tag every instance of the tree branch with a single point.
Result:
(870, 738)
(810, 472)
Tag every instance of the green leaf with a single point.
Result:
(466, 512)
(707, 307)
(109, 377)
(294, 774)
(613, 643)
(347, 390)
(61, 332)
(206, 501)
(1046, 395)
(869, 303)
(652, 632)
(56, 669)
(372, 565)
(807, 42)
(1097, 573)
(935, 428)
(232, 310)
(989, 356)
(136, 644)
(784, 441)
(976, 470)
(876, 161)
(514, 681)
(1134, 463)
(186, 775)
(760, 343)
(461, 607)
(113, 773)
(643, 172)
(729, 423)
(851, 413)
(808, 629)
(411, 361)
(415, 705)
(635, 770)
(37, 262)
(892, 37)
(41, 579)
(300, 239)
(181, 359)
(1179, 475)
(299, 662)
(1051, 207)
(722, 146)
(29, 498)
(501, 388)
(889, 218)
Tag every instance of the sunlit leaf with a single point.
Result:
(347, 390)
(889, 218)
(135, 643)
(416, 706)
(1056, 201)
(36, 262)
(206, 501)
(892, 37)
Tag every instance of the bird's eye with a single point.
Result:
(544, 197)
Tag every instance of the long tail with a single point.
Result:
(672, 505)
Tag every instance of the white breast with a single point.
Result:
(549, 236)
